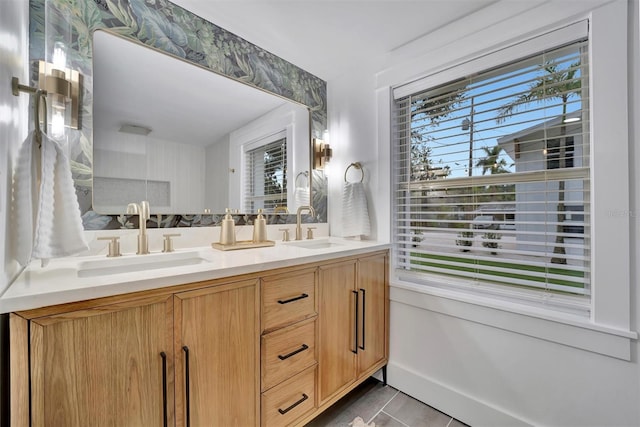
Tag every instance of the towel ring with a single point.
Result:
(356, 165)
(305, 173)
(40, 96)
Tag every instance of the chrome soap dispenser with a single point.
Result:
(228, 230)
(259, 228)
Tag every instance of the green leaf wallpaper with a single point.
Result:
(168, 27)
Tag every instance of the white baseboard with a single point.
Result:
(462, 407)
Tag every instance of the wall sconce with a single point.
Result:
(322, 153)
(63, 87)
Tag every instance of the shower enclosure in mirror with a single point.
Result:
(189, 140)
(164, 29)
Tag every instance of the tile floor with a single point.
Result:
(385, 406)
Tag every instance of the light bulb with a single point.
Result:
(325, 136)
(327, 169)
(59, 58)
(57, 123)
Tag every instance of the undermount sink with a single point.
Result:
(133, 263)
(313, 244)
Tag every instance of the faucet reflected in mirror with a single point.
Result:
(142, 210)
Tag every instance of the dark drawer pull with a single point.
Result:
(186, 384)
(364, 318)
(163, 355)
(292, 299)
(284, 411)
(293, 353)
(355, 325)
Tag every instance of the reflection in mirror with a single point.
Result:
(189, 140)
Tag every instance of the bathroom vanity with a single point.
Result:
(269, 337)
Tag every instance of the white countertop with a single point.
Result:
(61, 282)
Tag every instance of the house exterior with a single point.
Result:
(536, 206)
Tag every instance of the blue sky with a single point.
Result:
(451, 143)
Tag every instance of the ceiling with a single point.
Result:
(198, 107)
(326, 37)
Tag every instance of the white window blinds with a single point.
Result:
(266, 176)
(492, 176)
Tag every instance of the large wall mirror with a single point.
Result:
(126, 93)
(189, 140)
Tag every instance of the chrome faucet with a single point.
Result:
(142, 210)
(299, 220)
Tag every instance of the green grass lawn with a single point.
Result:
(476, 266)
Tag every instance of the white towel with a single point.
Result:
(301, 196)
(46, 213)
(301, 192)
(355, 214)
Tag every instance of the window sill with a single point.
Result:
(567, 329)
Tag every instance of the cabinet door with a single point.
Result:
(337, 358)
(372, 323)
(218, 356)
(103, 366)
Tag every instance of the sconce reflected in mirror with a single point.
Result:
(322, 153)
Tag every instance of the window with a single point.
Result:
(492, 177)
(559, 153)
(266, 174)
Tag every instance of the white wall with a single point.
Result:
(290, 118)
(14, 28)
(351, 113)
(479, 371)
(216, 187)
(178, 168)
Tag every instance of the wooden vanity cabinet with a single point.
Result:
(105, 366)
(289, 316)
(373, 315)
(263, 349)
(217, 356)
(118, 364)
(353, 313)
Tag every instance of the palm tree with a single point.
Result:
(426, 112)
(492, 161)
(553, 83)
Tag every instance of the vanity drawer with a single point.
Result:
(287, 351)
(290, 400)
(288, 299)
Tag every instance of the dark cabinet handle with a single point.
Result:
(364, 318)
(355, 325)
(292, 299)
(164, 388)
(186, 383)
(293, 353)
(284, 411)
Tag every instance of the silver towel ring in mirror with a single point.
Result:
(356, 165)
(305, 174)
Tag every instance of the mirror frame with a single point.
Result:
(172, 29)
